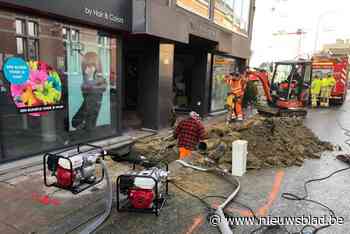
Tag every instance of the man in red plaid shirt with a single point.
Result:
(189, 132)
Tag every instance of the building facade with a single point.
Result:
(339, 47)
(82, 72)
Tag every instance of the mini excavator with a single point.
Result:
(287, 92)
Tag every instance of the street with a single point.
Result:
(261, 190)
(48, 210)
(131, 99)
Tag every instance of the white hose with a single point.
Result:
(223, 225)
(185, 164)
(109, 194)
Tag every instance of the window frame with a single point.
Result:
(211, 16)
(210, 4)
(233, 16)
(25, 37)
(69, 40)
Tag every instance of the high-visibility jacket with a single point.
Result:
(316, 86)
(236, 86)
(331, 81)
(324, 83)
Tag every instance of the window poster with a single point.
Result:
(89, 87)
(35, 86)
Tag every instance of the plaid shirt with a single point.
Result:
(189, 132)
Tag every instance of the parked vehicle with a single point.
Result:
(338, 65)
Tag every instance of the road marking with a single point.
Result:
(262, 211)
(45, 200)
(197, 221)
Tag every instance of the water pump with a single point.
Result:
(74, 169)
(143, 191)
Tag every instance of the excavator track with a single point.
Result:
(293, 112)
(278, 112)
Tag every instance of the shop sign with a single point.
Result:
(114, 14)
(222, 61)
(108, 16)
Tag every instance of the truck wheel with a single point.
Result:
(342, 100)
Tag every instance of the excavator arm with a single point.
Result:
(263, 77)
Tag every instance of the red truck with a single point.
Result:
(338, 65)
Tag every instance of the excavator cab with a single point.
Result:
(289, 89)
(290, 81)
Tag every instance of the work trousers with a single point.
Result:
(325, 95)
(184, 153)
(235, 110)
(314, 99)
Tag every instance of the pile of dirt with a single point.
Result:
(272, 142)
(276, 142)
(157, 148)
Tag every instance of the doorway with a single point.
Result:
(131, 105)
(182, 82)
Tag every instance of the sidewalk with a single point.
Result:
(27, 206)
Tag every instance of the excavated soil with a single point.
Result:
(272, 142)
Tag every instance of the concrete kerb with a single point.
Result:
(17, 167)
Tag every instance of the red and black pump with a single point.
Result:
(74, 169)
(143, 191)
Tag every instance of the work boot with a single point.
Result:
(344, 158)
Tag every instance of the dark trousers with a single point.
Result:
(87, 115)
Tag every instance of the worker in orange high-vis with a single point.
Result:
(236, 82)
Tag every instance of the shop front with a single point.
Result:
(59, 79)
(199, 30)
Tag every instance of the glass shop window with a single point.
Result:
(66, 97)
(221, 66)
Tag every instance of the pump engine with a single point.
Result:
(76, 171)
(144, 190)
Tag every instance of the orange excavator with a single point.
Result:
(287, 92)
